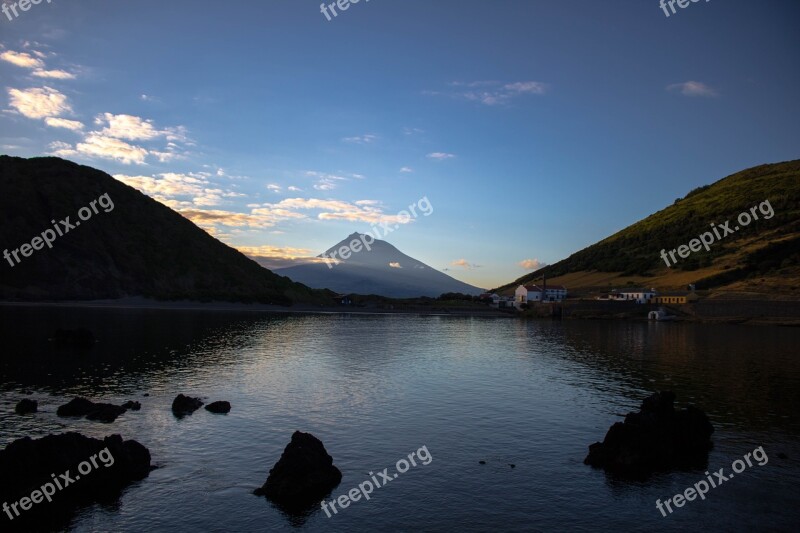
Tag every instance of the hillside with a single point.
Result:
(762, 258)
(382, 270)
(137, 247)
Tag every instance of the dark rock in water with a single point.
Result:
(105, 412)
(26, 466)
(146, 394)
(76, 407)
(26, 406)
(481, 462)
(303, 475)
(133, 406)
(655, 438)
(184, 405)
(219, 407)
(73, 338)
(101, 412)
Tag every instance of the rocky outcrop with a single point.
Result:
(303, 475)
(219, 407)
(656, 438)
(101, 412)
(184, 405)
(87, 470)
(132, 405)
(26, 406)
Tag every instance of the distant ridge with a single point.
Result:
(140, 248)
(383, 270)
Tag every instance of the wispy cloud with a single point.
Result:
(274, 187)
(55, 74)
(692, 88)
(406, 170)
(440, 156)
(466, 265)
(361, 139)
(96, 145)
(63, 123)
(492, 92)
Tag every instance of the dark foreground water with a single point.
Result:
(376, 388)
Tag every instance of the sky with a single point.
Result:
(532, 128)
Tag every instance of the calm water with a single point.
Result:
(376, 388)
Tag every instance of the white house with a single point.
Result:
(640, 296)
(535, 293)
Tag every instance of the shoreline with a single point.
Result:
(138, 303)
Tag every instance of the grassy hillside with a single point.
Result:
(761, 257)
(140, 247)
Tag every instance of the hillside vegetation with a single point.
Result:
(139, 248)
(766, 252)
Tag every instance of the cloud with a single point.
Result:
(463, 263)
(368, 211)
(62, 149)
(97, 145)
(362, 139)
(127, 127)
(440, 156)
(412, 131)
(692, 88)
(38, 102)
(294, 189)
(55, 74)
(395, 265)
(26, 60)
(531, 264)
(406, 170)
(273, 257)
(73, 125)
(326, 182)
(274, 187)
(21, 59)
(492, 92)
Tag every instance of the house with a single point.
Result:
(492, 299)
(680, 297)
(535, 293)
(638, 295)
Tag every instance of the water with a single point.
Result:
(376, 388)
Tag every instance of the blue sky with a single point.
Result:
(533, 128)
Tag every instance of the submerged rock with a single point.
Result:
(655, 438)
(101, 412)
(184, 405)
(219, 407)
(303, 475)
(97, 471)
(26, 406)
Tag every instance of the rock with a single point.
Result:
(101, 412)
(184, 405)
(74, 338)
(26, 406)
(656, 438)
(303, 475)
(105, 412)
(481, 462)
(75, 407)
(133, 406)
(219, 407)
(26, 465)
